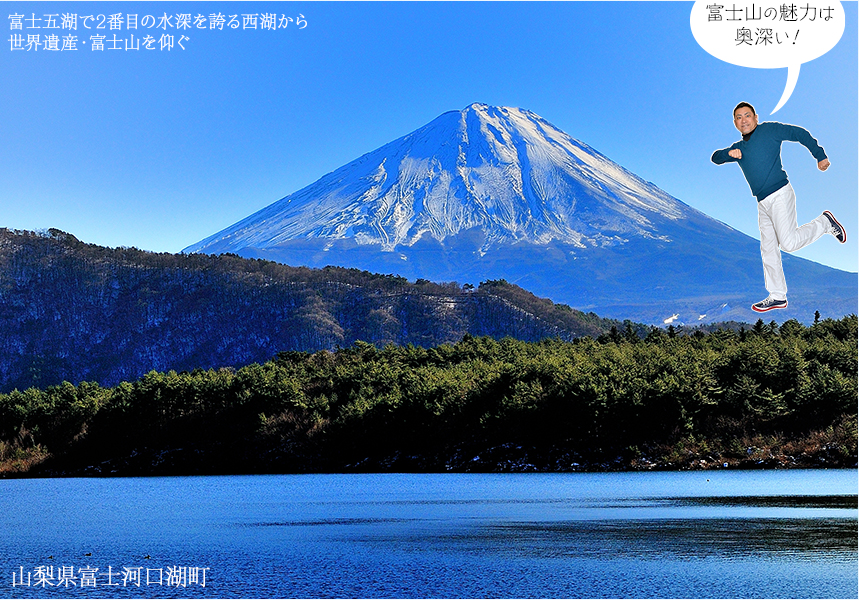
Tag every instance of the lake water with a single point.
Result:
(718, 534)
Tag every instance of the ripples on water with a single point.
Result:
(767, 534)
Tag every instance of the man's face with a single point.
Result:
(745, 120)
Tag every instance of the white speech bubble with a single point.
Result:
(768, 35)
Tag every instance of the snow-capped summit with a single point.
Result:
(500, 193)
(504, 171)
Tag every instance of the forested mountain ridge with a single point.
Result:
(71, 311)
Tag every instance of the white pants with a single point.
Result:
(777, 221)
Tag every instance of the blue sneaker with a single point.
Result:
(769, 303)
(837, 228)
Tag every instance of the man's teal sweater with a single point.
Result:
(761, 162)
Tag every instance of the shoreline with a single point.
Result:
(504, 458)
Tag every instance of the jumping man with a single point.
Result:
(759, 156)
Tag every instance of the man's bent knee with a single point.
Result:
(791, 244)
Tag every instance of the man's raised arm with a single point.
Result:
(726, 155)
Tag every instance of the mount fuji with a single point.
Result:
(500, 193)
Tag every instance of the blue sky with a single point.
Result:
(159, 149)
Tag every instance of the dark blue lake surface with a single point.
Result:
(695, 535)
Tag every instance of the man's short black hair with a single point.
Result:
(743, 104)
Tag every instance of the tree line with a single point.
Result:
(619, 394)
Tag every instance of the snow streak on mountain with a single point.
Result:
(504, 171)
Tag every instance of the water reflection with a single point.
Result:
(676, 537)
(838, 501)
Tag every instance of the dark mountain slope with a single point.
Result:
(79, 312)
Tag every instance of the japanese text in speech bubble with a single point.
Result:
(768, 35)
